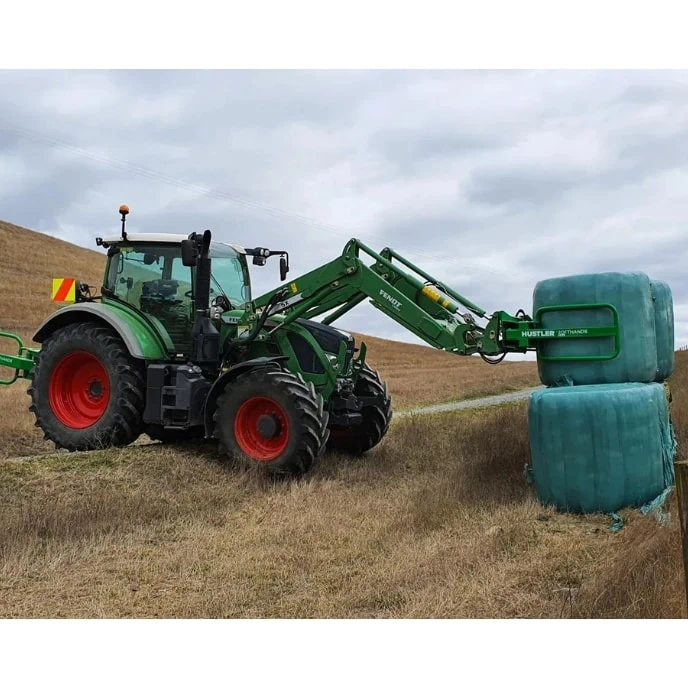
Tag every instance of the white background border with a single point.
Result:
(353, 34)
(334, 35)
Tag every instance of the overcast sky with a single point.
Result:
(489, 180)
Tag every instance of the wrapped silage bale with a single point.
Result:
(631, 294)
(664, 329)
(600, 447)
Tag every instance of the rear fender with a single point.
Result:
(139, 339)
(227, 377)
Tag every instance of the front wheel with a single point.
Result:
(87, 392)
(273, 420)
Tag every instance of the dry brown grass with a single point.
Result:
(419, 376)
(437, 522)
(28, 262)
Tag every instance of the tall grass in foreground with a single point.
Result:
(438, 522)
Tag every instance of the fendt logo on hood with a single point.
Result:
(391, 299)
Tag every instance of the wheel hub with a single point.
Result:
(269, 426)
(95, 389)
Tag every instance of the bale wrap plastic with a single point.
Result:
(664, 329)
(631, 294)
(600, 447)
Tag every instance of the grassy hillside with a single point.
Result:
(418, 375)
(28, 262)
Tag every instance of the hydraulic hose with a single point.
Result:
(492, 361)
(263, 317)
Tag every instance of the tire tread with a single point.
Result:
(307, 404)
(126, 418)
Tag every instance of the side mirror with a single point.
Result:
(284, 268)
(189, 253)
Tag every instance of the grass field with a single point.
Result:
(437, 522)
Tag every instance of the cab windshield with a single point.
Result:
(229, 275)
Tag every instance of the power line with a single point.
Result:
(116, 163)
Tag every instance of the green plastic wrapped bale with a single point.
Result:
(600, 447)
(631, 294)
(664, 329)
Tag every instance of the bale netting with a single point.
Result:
(601, 447)
(631, 294)
(664, 329)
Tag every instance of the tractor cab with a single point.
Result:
(148, 272)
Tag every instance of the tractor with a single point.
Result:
(176, 347)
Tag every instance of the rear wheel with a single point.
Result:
(87, 392)
(358, 439)
(273, 420)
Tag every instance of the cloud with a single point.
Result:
(490, 180)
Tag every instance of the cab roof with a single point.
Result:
(158, 238)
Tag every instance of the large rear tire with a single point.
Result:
(270, 419)
(87, 392)
(359, 439)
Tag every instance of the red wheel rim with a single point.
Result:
(79, 390)
(253, 414)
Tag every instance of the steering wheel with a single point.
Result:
(221, 301)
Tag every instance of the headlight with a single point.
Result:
(332, 358)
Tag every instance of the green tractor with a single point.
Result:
(176, 347)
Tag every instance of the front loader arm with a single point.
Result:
(423, 305)
(429, 310)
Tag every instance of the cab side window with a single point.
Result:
(154, 281)
(128, 274)
(182, 275)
